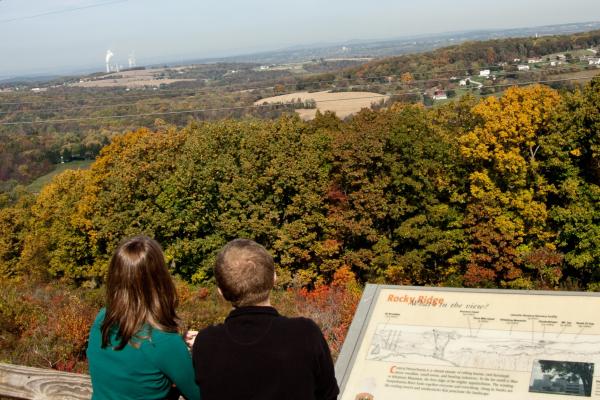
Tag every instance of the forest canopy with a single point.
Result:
(499, 192)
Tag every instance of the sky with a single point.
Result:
(51, 36)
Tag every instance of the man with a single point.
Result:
(257, 353)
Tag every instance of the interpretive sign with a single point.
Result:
(431, 343)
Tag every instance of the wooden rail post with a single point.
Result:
(29, 383)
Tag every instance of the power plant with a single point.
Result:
(112, 66)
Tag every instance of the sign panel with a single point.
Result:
(432, 343)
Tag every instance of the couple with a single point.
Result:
(136, 352)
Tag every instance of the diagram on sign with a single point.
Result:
(479, 348)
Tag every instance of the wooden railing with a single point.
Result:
(18, 382)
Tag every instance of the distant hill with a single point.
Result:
(476, 54)
(405, 45)
(28, 79)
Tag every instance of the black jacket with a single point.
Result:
(259, 354)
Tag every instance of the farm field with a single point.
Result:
(131, 79)
(581, 75)
(342, 103)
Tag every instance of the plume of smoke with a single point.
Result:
(109, 56)
(131, 60)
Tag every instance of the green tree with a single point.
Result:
(390, 204)
(575, 172)
(572, 372)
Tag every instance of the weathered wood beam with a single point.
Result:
(21, 382)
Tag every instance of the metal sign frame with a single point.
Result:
(364, 311)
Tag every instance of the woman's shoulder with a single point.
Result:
(158, 344)
(100, 316)
(158, 336)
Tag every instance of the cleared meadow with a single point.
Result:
(342, 103)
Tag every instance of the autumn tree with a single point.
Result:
(57, 244)
(507, 214)
(15, 215)
(575, 172)
(389, 199)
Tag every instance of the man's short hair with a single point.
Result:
(244, 272)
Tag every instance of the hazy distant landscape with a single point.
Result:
(355, 50)
(393, 47)
(72, 118)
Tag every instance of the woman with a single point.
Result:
(134, 350)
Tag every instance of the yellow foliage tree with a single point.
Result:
(57, 244)
(507, 191)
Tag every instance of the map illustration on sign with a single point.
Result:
(456, 344)
(488, 349)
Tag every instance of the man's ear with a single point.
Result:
(220, 292)
(274, 277)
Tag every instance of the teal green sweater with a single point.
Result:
(146, 372)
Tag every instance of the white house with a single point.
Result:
(523, 67)
(440, 95)
(485, 73)
(463, 82)
(594, 61)
(534, 60)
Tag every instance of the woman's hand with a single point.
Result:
(190, 338)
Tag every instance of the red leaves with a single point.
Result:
(332, 306)
(336, 196)
(477, 276)
(203, 293)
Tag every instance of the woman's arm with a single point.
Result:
(171, 355)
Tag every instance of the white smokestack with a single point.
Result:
(109, 56)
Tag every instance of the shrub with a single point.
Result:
(47, 325)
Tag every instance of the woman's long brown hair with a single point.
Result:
(139, 291)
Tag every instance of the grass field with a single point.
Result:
(42, 181)
(583, 76)
(342, 103)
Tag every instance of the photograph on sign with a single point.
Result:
(562, 377)
(424, 343)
